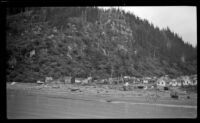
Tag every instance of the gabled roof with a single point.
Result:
(164, 78)
(186, 78)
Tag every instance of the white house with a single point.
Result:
(77, 81)
(186, 81)
(145, 81)
(161, 82)
(173, 82)
(67, 79)
(179, 84)
(127, 77)
(38, 82)
(194, 81)
(86, 81)
(48, 79)
(164, 81)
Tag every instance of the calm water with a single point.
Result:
(23, 106)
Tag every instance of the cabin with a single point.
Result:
(145, 81)
(138, 80)
(67, 79)
(173, 83)
(179, 84)
(87, 81)
(127, 77)
(161, 82)
(179, 81)
(38, 82)
(186, 81)
(48, 79)
(194, 81)
(79, 80)
(101, 81)
(132, 80)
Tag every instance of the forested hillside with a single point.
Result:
(88, 41)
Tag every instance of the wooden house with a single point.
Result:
(186, 81)
(173, 82)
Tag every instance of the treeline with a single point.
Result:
(88, 41)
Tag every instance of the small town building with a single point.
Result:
(77, 81)
(86, 81)
(194, 81)
(125, 86)
(173, 82)
(186, 81)
(38, 82)
(127, 77)
(179, 84)
(48, 79)
(67, 79)
(145, 81)
(161, 82)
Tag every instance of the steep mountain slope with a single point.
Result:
(85, 41)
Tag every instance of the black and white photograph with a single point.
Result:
(101, 62)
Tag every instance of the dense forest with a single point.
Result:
(89, 41)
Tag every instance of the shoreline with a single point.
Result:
(94, 93)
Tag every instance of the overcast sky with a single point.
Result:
(180, 19)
